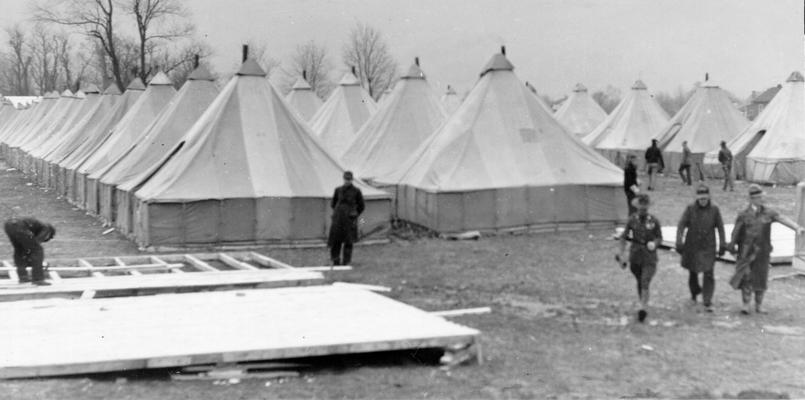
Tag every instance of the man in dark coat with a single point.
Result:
(630, 184)
(645, 232)
(684, 165)
(654, 162)
(725, 159)
(751, 239)
(26, 236)
(347, 205)
(698, 225)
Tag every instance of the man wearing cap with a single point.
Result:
(26, 236)
(698, 225)
(654, 162)
(751, 241)
(347, 205)
(630, 183)
(684, 166)
(645, 232)
(725, 159)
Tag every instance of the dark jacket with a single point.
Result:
(699, 247)
(752, 235)
(641, 230)
(629, 176)
(654, 156)
(725, 156)
(347, 205)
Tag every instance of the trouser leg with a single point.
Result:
(746, 294)
(21, 262)
(335, 251)
(693, 284)
(629, 196)
(347, 258)
(37, 257)
(637, 271)
(709, 287)
(759, 299)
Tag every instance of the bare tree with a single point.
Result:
(45, 70)
(150, 15)
(179, 63)
(672, 103)
(608, 98)
(16, 71)
(368, 53)
(95, 17)
(310, 59)
(258, 51)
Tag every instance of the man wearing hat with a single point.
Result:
(26, 236)
(347, 205)
(698, 225)
(751, 239)
(645, 232)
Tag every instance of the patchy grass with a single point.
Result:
(562, 324)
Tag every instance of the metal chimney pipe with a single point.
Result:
(245, 52)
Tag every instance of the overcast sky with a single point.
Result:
(745, 45)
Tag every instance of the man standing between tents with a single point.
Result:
(684, 166)
(646, 235)
(654, 162)
(630, 183)
(751, 239)
(347, 205)
(697, 226)
(725, 159)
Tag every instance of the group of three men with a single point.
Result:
(696, 243)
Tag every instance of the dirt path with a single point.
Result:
(562, 323)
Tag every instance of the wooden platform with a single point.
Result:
(782, 240)
(145, 275)
(62, 337)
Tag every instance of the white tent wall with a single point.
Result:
(775, 171)
(247, 221)
(512, 208)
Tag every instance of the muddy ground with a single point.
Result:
(562, 322)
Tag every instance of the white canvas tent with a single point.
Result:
(779, 155)
(177, 118)
(249, 171)
(704, 121)
(580, 114)
(128, 131)
(303, 99)
(501, 161)
(630, 127)
(404, 120)
(450, 100)
(342, 115)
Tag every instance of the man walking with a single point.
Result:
(698, 225)
(26, 236)
(684, 166)
(725, 159)
(646, 235)
(630, 184)
(654, 162)
(347, 205)
(751, 239)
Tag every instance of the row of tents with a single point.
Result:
(246, 165)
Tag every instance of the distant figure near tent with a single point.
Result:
(630, 183)
(725, 159)
(654, 162)
(25, 235)
(347, 206)
(684, 165)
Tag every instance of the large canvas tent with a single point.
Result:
(630, 127)
(93, 139)
(128, 131)
(303, 99)
(450, 100)
(580, 114)
(404, 120)
(73, 138)
(249, 171)
(184, 110)
(779, 155)
(501, 161)
(704, 121)
(342, 115)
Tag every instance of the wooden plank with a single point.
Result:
(12, 271)
(268, 261)
(173, 268)
(270, 324)
(114, 268)
(54, 275)
(327, 269)
(194, 261)
(361, 286)
(86, 264)
(465, 311)
(232, 262)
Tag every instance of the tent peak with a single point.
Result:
(498, 62)
(136, 84)
(349, 79)
(201, 73)
(301, 84)
(112, 89)
(160, 79)
(91, 88)
(251, 68)
(579, 88)
(414, 72)
(67, 93)
(639, 85)
(795, 77)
